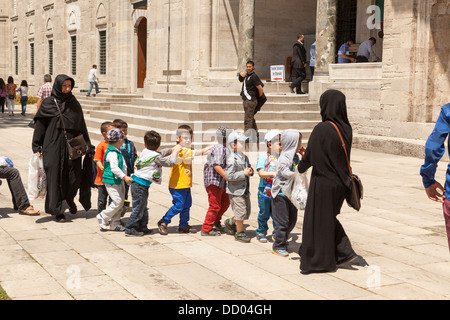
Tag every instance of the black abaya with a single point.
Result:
(324, 242)
(64, 176)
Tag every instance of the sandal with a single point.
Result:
(30, 211)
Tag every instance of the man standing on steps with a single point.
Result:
(298, 63)
(252, 91)
(93, 80)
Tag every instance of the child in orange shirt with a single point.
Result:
(98, 159)
(180, 183)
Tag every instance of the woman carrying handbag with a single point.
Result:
(59, 119)
(325, 245)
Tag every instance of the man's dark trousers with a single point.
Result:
(297, 84)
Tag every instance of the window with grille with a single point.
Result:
(102, 49)
(346, 22)
(50, 57)
(16, 58)
(73, 50)
(32, 58)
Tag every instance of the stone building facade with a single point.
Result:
(198, 46)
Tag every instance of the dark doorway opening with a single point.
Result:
(142, 53)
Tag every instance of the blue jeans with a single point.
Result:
(92, 84)
(23, 102)
(139, 215)
(182, 202)
(265, 212)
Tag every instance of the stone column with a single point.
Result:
(4, 42)
(246, 33)
(325, 35)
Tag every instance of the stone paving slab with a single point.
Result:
(399, 232)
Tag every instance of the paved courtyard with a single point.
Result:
(399, 233)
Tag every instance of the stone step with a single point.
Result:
(228, 115)
(173, 124)
(201, 139)
(287, 97)
(218, 106)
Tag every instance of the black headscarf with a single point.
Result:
(333, 108)
(67, 103)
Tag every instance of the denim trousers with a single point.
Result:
(139, 215)
(18, 192)
(265, 213)
(92, 84)
(182, 202)
(23, 102)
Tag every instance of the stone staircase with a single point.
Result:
(164, 112)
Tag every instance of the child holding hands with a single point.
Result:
(114, 178)
(238, 172)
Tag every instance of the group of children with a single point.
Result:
(227, 173)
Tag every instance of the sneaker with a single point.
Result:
(212, 233)
(102, 223)
(241, 237)
(146, 231)
(162, 227)
(187, 229)
(133, 233)
(281, 252)
(231, 226)
(219, 227)
(261, 237)
(119, 228)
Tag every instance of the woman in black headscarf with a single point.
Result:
(64, 176)
(325, 245)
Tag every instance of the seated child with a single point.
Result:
(148, 170)
(238, 172)
(266, 168)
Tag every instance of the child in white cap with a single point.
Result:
(238, 171)
(266, 167)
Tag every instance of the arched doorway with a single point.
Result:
(142, 52)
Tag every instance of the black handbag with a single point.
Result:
(356, 193)
(76, 147)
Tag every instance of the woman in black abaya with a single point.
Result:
(64, 176)
(324, 242)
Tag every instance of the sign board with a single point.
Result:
(277, 73)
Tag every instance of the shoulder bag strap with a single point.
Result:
(62, 119)
(343, 145)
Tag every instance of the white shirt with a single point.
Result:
(366, 50)
(113, 160)
(92, 75)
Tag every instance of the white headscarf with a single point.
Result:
(289, 142)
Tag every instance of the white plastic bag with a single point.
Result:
(299, 193)
(37, 181)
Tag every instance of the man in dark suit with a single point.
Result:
(299, 64)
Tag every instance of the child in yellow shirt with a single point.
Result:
(180, 183)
